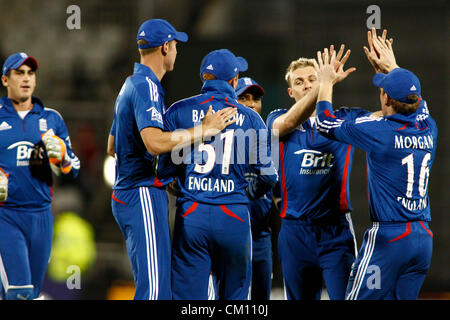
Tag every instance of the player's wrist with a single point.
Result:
(391, 67)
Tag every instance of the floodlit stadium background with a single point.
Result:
(81, 71)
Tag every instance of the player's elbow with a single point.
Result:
(155, 148)
(110, 151)
(282, 127)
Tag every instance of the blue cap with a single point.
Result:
(15, 60)
(223, 64)
(158, 31)
(246, 83)
(398, 84)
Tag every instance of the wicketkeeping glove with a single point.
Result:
(57, 151)
(3, 185)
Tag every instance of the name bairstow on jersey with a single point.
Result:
(198, 115)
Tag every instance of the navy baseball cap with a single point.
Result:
(15, 60)
(158, 31)
(398, 84)
(223, 64)
(247, 83)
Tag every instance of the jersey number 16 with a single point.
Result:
(423, 175)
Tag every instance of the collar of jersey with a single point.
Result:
(218, 88)
(404, 118)
(146, 71)
(38, 106)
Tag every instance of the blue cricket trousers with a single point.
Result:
(262, 261)
(143, 217)
(213, 238)
(392, 262)
(313, 252)
(25, 245)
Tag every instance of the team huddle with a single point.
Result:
(227, 167)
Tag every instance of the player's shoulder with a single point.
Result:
(250, 114)
(186, 102)
(371, 120)
(52, 112)
(142, 85)
(277, 112)
(351, 112)
(183, 106)
(274, 114)
(2, 103)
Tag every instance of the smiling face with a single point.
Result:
(20, 83)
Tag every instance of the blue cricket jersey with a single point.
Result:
(400, 152)
(214, 172)
(140, 104)
(23, 156)
(314, 170)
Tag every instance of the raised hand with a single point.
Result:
(380, 53)
(340, 61)
(330, 66)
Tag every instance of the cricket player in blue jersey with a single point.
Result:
(316, 242)
(212, 224)
(400, 145)
(250, 94)
(34, 141)
(139, 199)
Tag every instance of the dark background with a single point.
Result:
(81, 71)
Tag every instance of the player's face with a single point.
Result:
(171, 55)
(20, 83)
(251, 101)
(302, 81)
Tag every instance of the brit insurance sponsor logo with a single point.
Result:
(315, 162)
(24, 150)
(155, 114)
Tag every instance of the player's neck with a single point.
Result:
(155, 64)
(22, 105)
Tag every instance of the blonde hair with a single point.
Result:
(297, 64)
(145, 52)
(208, 76)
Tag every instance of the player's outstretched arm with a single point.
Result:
(379, 52)
(302, 109)
(158, 141)
(296, 115)
(327, 74)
